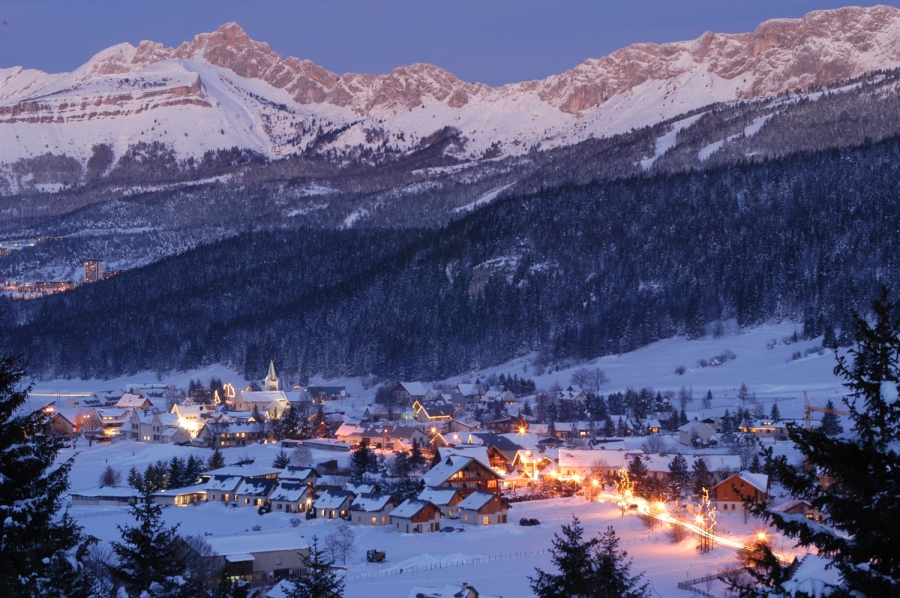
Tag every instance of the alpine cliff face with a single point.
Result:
(223, 90)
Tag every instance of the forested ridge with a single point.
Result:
(574, 272)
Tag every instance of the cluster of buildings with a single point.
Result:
(152, 413)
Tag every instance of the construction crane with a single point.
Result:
(808, 411)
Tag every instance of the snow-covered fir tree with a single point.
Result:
(41, 554)
(862, 535)
(320, 580)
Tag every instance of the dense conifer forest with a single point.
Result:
(574, 272)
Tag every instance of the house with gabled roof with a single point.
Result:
(151, 426)
(476, 452)
(134, 401)
(432, 413)
(572, 394)
(253, 492)
(409, 392)
(729, 494)
(492, 396)
(371, 508)
(466, 474)
(307, 475)
(695, 430)
(445, 499)
(471, 392)
(532, 463)
(271, 403)
(227, 434)
(483, 508)
(414, 516)
(799, 506)
(291, 496)
(333, 504)
(63, 423)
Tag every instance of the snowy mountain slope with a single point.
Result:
(224, 90)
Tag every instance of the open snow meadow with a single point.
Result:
(498, 559)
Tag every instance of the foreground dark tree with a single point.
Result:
(321, 581)
(593, 568)
(863, 513)
(40, 553)
(149, 557)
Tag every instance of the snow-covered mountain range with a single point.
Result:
(224, 90)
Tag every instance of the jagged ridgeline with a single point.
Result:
(575, 272)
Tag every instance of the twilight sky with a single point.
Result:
(491, 41)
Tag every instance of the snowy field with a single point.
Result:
(489, 558)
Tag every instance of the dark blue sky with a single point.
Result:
(492, 41)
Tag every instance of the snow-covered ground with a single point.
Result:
(498, 559)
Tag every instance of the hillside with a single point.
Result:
(571, 273)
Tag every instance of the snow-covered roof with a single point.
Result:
(442, 472)
(114, 413)
(813, 577)
(613, 444)
(479, 453)
(415, 389)
(433, 410)
(467, 390)
(717, 462)
(131, 401)
(691, 425)
(299, 473)
(333, 499)
(168, 419)
(282, 589)
(223, 483)
(760, 481)
(369, 502)
(255, 487)
(359, 487)
(348, 429)
(290, 492)
(476, 500)
(437, 495)
(257, 542)
(527, 440)
(247, 471)
(409, 508)
(586, 458)
(266, 397)
(108, 491)
(446, 591)
(789, 504)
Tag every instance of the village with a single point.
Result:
(418, 461)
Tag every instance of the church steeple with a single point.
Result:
(271, 381)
